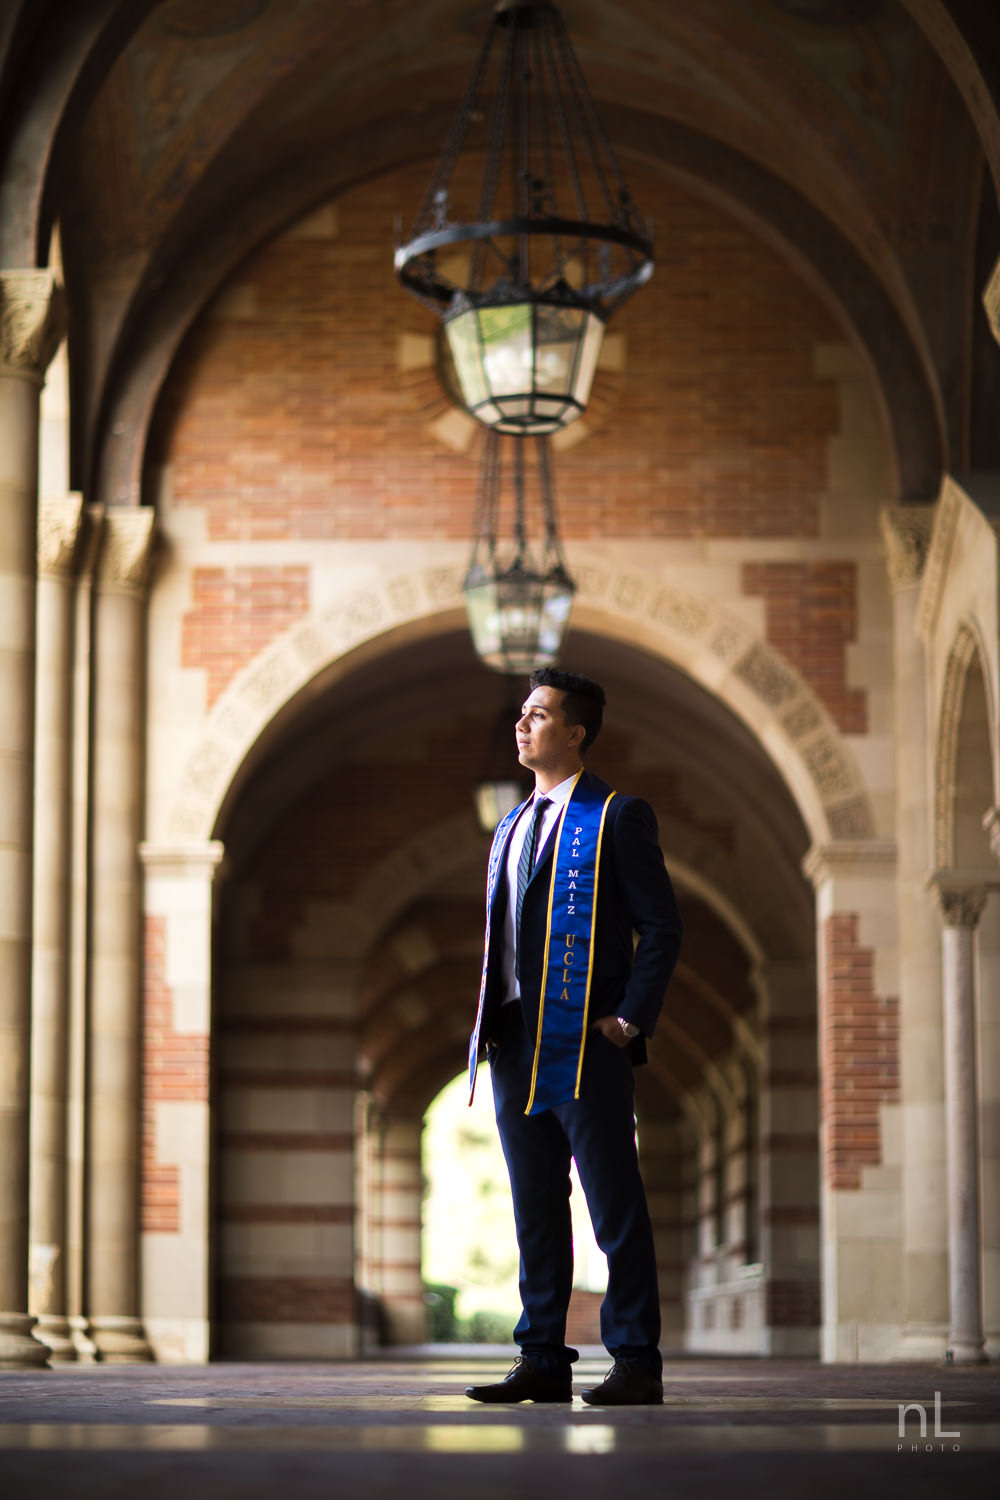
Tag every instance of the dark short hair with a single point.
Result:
(584, 701)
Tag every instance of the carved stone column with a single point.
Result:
(907, 533)
(115, 967)
(860, 1192)
(30, 330)
(79, 932)
(402, 1287)
(58, 533)
(176, 1265)
(962, 905)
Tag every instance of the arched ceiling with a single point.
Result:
(169, 138)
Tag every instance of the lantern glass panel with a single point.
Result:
(484, 616)
(593, 338)
(555, 611)
(507, 348)
(463, 341)
(516, 406)
(557, 339)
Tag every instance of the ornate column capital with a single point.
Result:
(125, 559)
(32, 321)
(991, 301)
(961, 895)
(906, 532)
(59, 526)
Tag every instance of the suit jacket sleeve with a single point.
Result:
(651, 906)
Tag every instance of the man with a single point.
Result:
(566, 1002)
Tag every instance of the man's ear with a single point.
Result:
(577, 736)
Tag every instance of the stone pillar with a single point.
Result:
(369, 1129)
(962, 906)
(860, 1148)
(402, 1284)
(58, 534)
(790, 1169)
(176, 1232)
(79, 934)
(666, 1148)
(30, 327)
(988, 996)
(907, 534)
(115, 965)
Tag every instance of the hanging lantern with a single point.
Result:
(526, 264)
(518, 602)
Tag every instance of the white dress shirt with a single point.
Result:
(558, 797)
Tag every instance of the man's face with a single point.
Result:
(544, 739)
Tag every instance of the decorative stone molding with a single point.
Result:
(763, 671)
(851, 819)
(962, 894)
(991, 301)
(125, 558)
(829, 766)
(32, 320)
(181, 860)
(714, 648)
(60, 519)
(849, 856)
(949, 506)
(907, 535)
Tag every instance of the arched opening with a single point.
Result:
(348, 947)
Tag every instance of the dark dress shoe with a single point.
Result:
(626, 1385)
(524, 1383)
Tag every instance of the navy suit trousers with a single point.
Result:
(598, 1129)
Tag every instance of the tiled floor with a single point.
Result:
(404, 1428)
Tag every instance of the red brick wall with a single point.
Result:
(235, 613)
(811, 615)
(859, 1054)
(174, 1068)
(295, 421)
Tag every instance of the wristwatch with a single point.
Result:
(626, 1026)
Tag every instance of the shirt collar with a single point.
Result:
(559, 794)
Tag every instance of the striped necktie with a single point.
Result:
(525, 865)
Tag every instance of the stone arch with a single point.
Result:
(966, 662)
(718, 650)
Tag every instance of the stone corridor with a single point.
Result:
(402, 1427)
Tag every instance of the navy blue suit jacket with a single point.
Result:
(634, 896)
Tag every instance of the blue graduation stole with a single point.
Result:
(569, 950)
(569, 945)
